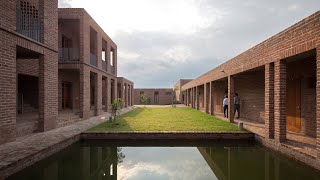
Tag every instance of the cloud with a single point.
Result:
(163, 163)
(160, 42)
(64, 4)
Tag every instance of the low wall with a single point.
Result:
(173, 135)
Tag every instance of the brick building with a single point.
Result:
(156, 96)
(88, 81)
(179, 95)
(28, 65)
(278, 84)
(56, 67)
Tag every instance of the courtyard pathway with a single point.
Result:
(23, 152)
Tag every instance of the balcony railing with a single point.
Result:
(69, 54)
(112, 70)
(28, 22)
(93, 59)
(104, 65)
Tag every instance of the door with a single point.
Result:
(66, 95)
(294, 105)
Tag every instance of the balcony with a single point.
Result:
(68, 54)
(93, 59)
(28, 22)
(112, 70)
(104, 65)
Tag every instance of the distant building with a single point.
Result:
(179, 95)
(156, 96)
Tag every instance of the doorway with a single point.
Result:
(66, 95)
(294, 105)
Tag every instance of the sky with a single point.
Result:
(162, 41)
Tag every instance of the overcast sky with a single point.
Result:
(162, 41)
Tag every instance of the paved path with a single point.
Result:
(23, 152)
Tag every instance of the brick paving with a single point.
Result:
(23, 152)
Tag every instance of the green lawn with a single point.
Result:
(166, 119)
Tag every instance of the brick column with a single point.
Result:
(269, 101)
(280, 78)
(127, 95)
(8, 88)
(115, 88)
(48, 91)
(211, 99)
(318, 103)
(108, 104)
(207, 97)
(84, 91)
(231, 98)
(197, 97)
(106, 94)
(132, 95)
(99, 93)
(192, 99)
(187, 97)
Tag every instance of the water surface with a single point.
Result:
(99, 161)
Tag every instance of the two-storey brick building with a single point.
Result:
(88, 81)
(56, 67)
(278, 82)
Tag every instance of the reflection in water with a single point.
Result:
(254, 163)
(223, 162)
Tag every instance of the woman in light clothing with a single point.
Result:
(225, 106)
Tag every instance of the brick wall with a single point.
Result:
(165, 95)
(250, 87)
(71, 76)
(28, 67)
(301, 37)
(8, 86)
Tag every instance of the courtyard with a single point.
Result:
(159, 119)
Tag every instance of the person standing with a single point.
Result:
(225, 106)
(237, 105)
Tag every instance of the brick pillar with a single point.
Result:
(109, 93)
(115, 88)
(280, 80)
(269, 100)
(211, 99)
(205, 100)
(318, 103)
(99, 93)
(207, 97)
(8, 89)
(127, 95)
(197, 97)
(48, 90)
(231, 98)
(106, 94)
(187, 97)
(132, 95)
(191, 97)
(84, 92)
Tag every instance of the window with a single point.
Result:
(156, 97)
(111, 57)
(168, 93)
(103, 55)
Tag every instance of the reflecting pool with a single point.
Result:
(99, 161)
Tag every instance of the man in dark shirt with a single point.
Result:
(237, 105)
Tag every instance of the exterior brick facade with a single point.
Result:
(179, 95)
(37, 43)
(58, 60)
(278, 85)
(157, 96)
